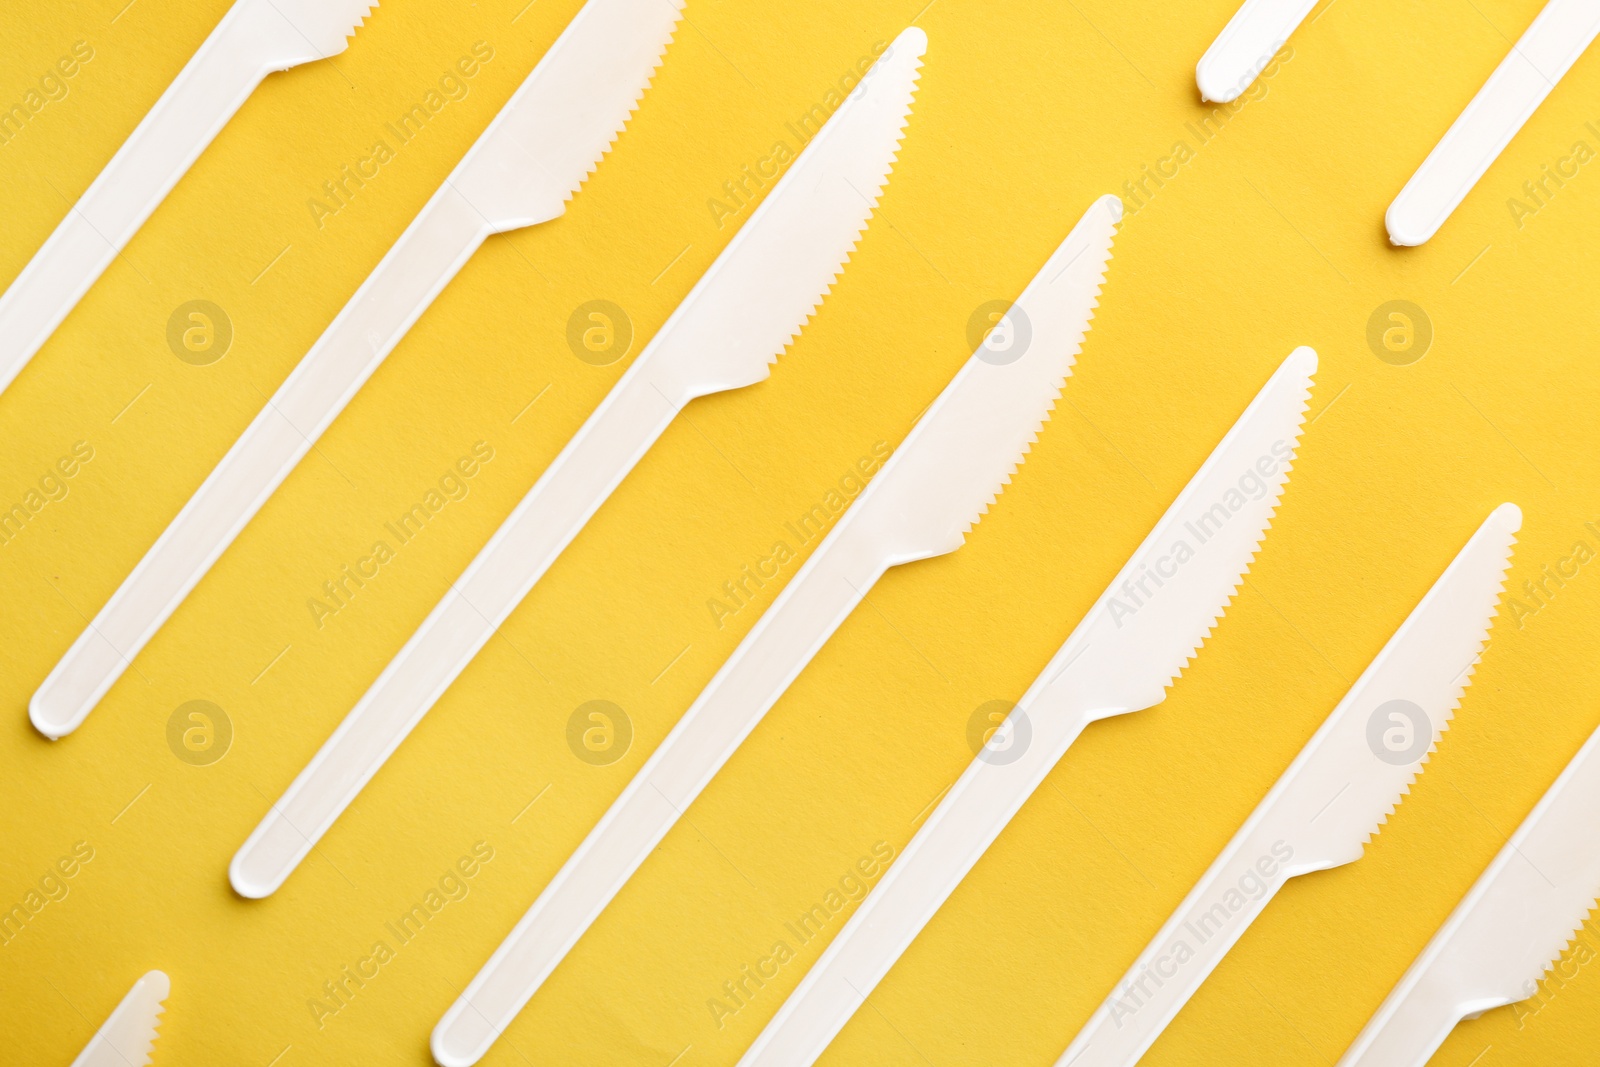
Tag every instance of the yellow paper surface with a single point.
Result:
(1269, 236)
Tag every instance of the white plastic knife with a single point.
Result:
(532, 158)
(1507, 932)
(726, 334)
(128, 1035)
(1245, 46)
(255, 38)
(1334, 797)
(1560, 34)
(1121, 657)
(929, 493)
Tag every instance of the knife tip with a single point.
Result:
(1303, 360)
(1507, 517)
(913, 38)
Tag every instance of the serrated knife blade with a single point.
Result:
(255, 38)
(128, 1035)
(746, 309)
(520, 171)
(1258, 452)
(1333, 798)
(1507, 932)
(890, 522)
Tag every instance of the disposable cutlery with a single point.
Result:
(737, 320)
(533, 157)
(1509, 930)
(1127, 650)
(1335, 796)
(927, 495)
(254, 39)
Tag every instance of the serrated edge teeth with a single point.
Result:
(872, 209)
(1255, 547)
(1074, 349)
(1460, 691)
(361, 19)
(1570, 939)
(153, 1029)
(132, 1028)
(633, 108)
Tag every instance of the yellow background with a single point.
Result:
(1271, 237)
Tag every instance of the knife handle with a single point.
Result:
(1243, 48)
(1413, 1022)
(580, 479)
(212, 86)
(1515, 922)
(779, 646)
(1544, 54)
(405, 282)
(977, 808)
(1217, 911)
